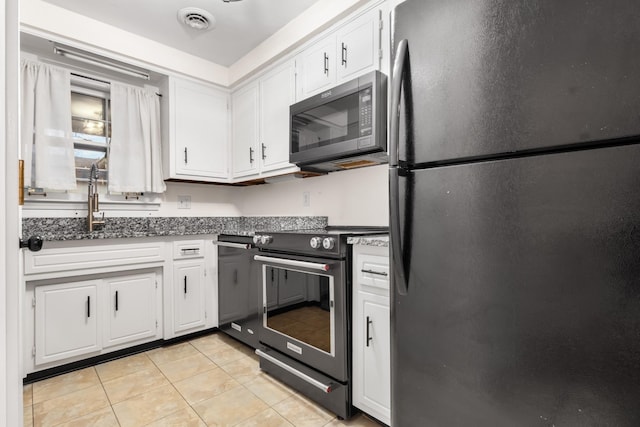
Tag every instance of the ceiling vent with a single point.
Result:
(196, 18)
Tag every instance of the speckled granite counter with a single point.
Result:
(378, 240)
(51, 229)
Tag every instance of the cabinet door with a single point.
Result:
(371, 332)
(200, 130)
(189, 295)
(372, 389)
(270, 284)
(292, 287)
(245, 131)
(131, 314)
(317, 67)
(357, 46)
(277, 93)
(233, 288)
(66, 321)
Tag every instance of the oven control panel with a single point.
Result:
(262, 239)
(311, 243)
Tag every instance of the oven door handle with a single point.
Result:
(327, 388)
(293, 263)
(232, 245)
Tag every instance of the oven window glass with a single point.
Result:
(299, 305)
(330, 123)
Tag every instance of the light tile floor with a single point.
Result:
(209, 381)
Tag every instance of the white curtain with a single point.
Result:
(46, 140)
(135, 156)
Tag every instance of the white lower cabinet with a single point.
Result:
(84, 299)
(66, 321)
(79, 318)
(371, 332)
(189, 295)
(191, 299)
(131, 313)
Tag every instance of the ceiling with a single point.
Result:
(240, 26)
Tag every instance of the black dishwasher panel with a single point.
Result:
(238, 289)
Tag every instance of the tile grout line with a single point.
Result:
(108, 399)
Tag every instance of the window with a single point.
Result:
(91, 126)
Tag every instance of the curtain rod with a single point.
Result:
(100, 81)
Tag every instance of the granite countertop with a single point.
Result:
(381, 240)
(58, 229)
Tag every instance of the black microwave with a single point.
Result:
(341, 128)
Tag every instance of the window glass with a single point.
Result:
(91, 129)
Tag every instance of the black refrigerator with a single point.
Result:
(515, 213)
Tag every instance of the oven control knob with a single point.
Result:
(256, 239)
(316, 242)
(328, 242)
(265, 240)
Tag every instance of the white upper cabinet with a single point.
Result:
(351, 50)
(317, 67)
(260, 116)
(358, 45)
(277, 93)
(198, 132)
(245, 130)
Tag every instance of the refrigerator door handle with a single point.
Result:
(397, 256)
(396, 90)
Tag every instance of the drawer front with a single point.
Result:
(89, 257)
(185, 249)
(372, 271)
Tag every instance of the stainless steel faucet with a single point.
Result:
(92, 205)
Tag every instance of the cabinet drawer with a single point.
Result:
(93, 256)
(373, 271)
(185, 249)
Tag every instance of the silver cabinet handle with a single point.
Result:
(250, 155)
(379, 273)
(185, 155)
(264, 149)
(186, 251)
(326, 63)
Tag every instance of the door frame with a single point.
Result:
(11, 412)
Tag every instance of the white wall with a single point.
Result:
(206, 200)
(355, 197)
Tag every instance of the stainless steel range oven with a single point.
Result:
(306, 312)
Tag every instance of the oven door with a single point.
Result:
(305, 311)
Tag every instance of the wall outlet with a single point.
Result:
(184, 202)
(306, 199)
